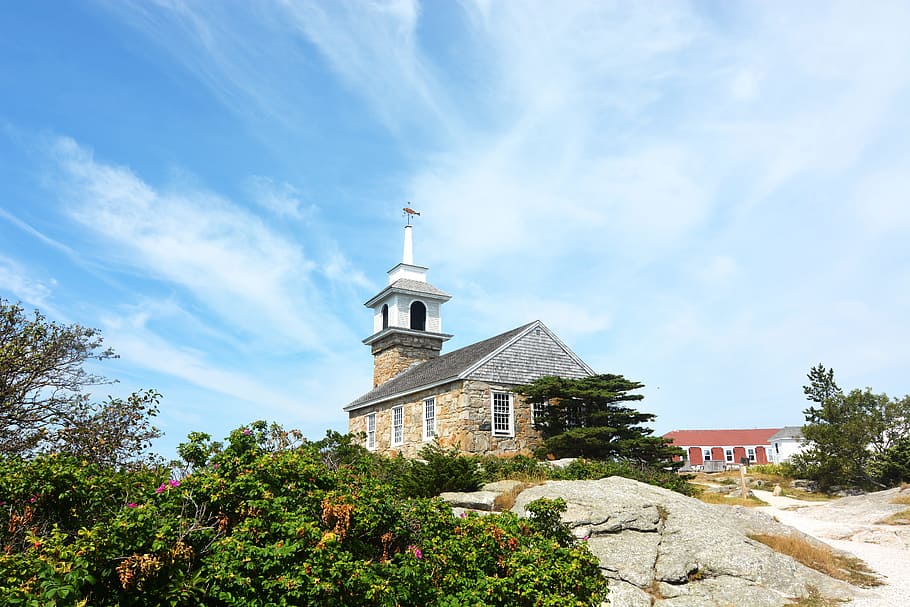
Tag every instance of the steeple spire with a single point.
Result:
(408, 256)
(407, 323)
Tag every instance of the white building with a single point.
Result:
(786, 443)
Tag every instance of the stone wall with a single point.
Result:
(463, 420)
(399, 351)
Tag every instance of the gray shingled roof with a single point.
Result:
(411, 286)
(436, 370)
(788, 432)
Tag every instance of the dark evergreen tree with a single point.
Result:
(587, 418)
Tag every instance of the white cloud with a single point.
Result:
(250, 276)
(18, 281)
(280, 198)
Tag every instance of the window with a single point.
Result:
(777, 447)
(537, 412)
(385, 316)
(751, 453)
(502, 414)
(706, 455)
(371, 431)
(397, 425)
(429, 419)
(418, 316)
(729, 455)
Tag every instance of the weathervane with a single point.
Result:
(409, 212)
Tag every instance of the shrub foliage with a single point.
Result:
(264, 521)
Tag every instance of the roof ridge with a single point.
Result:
(445, 367)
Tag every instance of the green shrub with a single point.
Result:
(439, 470)
(582, 469)
(522, 467)
(785, 469)
(519, 467)
(261, 522)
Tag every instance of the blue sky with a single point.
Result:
(709, 198)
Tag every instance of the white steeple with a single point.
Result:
(408, 257)
(407, 320)
(407, 269)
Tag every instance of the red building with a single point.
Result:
(728, 446)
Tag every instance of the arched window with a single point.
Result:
(385, 316)
(418, 316)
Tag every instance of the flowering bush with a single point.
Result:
(265, 522)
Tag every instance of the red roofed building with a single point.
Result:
(728, 446)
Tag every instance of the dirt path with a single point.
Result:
(852, 524)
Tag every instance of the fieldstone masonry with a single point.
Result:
(398, 352)
(463, 420)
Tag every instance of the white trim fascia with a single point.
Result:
(416, 332)
(401, 290)
(400, 394)
(464, 374)
(534, 325)
(568, 350)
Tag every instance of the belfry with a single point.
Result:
(407, 319)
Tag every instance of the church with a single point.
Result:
(464, 398)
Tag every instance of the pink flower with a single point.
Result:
(416, 551)
(173, 483)
(33, 499)
(132, 505)
(161, 488)
(246, 432)
(463, 515)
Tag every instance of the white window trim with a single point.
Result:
(429, 433)
(535, 408)
(729, 455)
(750, 453)
(706, 455)
(371, 431)
(400, 425)
(511, 429)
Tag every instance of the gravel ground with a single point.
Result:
(851, 524)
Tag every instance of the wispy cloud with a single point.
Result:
(280, 198)
(251, 277)
(19, 281)
(693, 190)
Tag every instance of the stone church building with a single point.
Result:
(464, 398)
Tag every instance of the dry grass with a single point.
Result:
(816, 599)
(720, 498)
(902, 517)
(898, 518)
(807, 496)
(505, 500)
(822, 558)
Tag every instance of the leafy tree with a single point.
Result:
(848, 432)
(585, 417)
(43, 403)
(116, 432)
(42, 374)
(892, 466)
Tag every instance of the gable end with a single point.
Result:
(532, 355)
